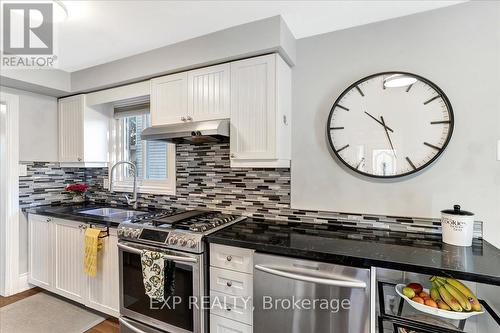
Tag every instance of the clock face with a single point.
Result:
(390, 124)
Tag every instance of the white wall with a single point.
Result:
(458, 48)
(38, 139)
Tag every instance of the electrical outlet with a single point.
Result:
(23, 170)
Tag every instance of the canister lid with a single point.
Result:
(457, 211)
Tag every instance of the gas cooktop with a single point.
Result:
(176, 229)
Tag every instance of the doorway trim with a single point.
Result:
(9, 195)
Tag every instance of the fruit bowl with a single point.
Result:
(435, 311)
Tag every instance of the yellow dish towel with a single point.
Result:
(92, 245)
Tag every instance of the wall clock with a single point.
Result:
(390, 124)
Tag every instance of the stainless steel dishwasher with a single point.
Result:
(303, 296)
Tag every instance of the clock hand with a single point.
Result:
(378, 121)
(388, 136)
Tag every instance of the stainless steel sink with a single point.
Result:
(112, 212)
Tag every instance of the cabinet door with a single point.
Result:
(40, 252)
(253, 108)
(103, 293)
(169, 99)
(71, 124)
(69, 277)
(208, 93)
(224, 325)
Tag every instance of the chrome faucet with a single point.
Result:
(134, 170)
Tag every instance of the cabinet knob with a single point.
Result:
(229, 258)
(49, 219)
(189, 118)
(183, 118)
(232, 155)
(229, 283)
(79, 159)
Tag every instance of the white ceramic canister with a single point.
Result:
(457, 226)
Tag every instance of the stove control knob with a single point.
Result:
(172, 240)
(136, 233)
(182, 241)
(126, 232)
(119, 232)
(191, 243)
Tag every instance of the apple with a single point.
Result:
(408, 292)
(418, 299)
(417, 287)
(431, 303)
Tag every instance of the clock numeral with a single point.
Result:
(409, 87)
(336, 128)
(360, 91)
(432, 99)
(432, 146)
(411, 163)
(440, 122)
(342, 107)
(340, 149)
(360, 162)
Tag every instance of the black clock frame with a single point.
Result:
(420, 78)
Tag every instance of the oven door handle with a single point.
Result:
(130, 326)
(312, 279)
(165, 256)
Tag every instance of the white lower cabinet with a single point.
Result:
(69, 278)
(40, 251)
(56, 252)
(103, 289)
(231, 289)
(223, 325)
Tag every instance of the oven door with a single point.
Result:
(181, 317)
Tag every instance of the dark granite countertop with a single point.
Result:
(415, 252)
(74, 212)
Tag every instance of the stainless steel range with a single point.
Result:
(178, 235)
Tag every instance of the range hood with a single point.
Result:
(195, 132)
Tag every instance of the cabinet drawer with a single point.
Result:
(224, 325)
(231, 282)
(234, 258)
(237, 308)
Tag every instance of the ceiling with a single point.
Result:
(97, 32)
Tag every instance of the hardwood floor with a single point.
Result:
(17, 297)
(110, 325)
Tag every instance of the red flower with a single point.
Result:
(81, 187)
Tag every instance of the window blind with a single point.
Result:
(131, 107)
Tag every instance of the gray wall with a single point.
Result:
(458, 49)
(38, 139)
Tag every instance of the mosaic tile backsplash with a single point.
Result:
(205, 180)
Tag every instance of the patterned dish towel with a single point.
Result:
(153, 274)
(92, 245)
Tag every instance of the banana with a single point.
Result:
(448, 298)
(437, 298)
(475, 305)
(464, 302)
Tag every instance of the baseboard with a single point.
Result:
(23, 283)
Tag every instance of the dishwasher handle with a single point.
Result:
(313, 279)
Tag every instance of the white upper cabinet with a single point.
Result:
(83, 132)
(169, 99)
(260, 112)
(208, 93)
(71, 112)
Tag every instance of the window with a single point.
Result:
(155, 160)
